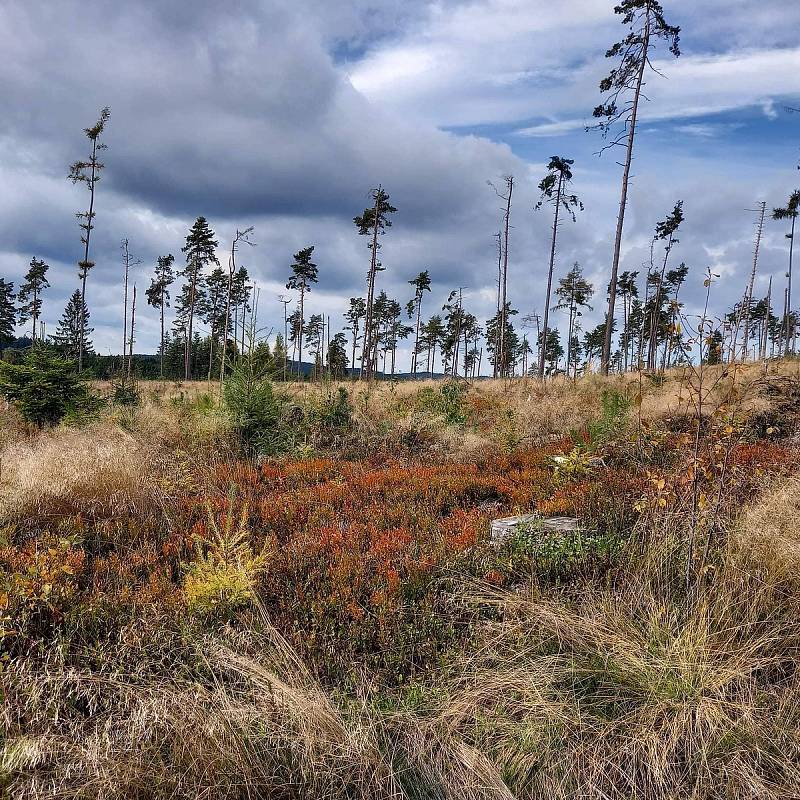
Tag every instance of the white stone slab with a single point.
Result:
(501, 529)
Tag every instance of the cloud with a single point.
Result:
(284, 116)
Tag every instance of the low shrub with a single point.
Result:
(45, 388)
(448, 400)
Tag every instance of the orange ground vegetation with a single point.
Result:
(348, 557)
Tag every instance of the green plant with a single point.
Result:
(615, 408)
(258, 413)
(223, 578)
(125, 393)
(45, 388)
(561, 553)
(448, 401)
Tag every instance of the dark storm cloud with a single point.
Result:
(244, 112)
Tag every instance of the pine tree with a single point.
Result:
(30, 294)
(158, 296)
(200, 250)
(552, 349)
(295, 332)
(213, 311)
(628, 291)
(454, 320)
(674, 343)
(8, 313)
(72, 336)
(623, 90)
(354, 315)
(88, 172)
(574, 292)
(554, 191)
(373, 223)
(337, 356)
(790, 211)
(502, 356)
(314, 332)
(433, 334)
(304, 273)
(421, 284)
(665, 232)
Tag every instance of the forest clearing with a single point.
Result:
(333, 620)
(399, 400)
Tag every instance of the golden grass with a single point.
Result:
(613, 688)
(633, 691)
(97, 471)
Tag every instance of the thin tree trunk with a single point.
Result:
(749, 296)
(81, 343)
(188, 354)
(161, 366)
(231, 265)
(367, 351)
(302, 323)
(133, 326)
(789, 326)
(550, 270)
(416, 337)
(499, 291)
(505, 278)
(125, 310)
(605, 359)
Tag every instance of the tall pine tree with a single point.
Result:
(200, 250)
(622, 88)
(8, 313)
(373, 223)
(72, 336)
(88, 172)
(30, 294)
(304, 274)
(158, 296)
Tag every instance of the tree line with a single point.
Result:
(222, 301)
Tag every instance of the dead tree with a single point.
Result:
(623, 89)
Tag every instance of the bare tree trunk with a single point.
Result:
(133, 324)
(126, 262)
(367, 351)
(34, 315)
(231, 266)
(499, 292)
(605, 359)
(187, 364)
(789, 326)
(355, 340)
(89, 226)
(749, 295)
(550, 270)
(510, 184)
(302, 323)
(161, 366)
(416, 337)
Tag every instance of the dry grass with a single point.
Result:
(633, 691)
(98, 471)
(611, 687)
(770, 537)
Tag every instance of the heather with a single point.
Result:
(185, 615)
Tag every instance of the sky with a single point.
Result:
(284, 115)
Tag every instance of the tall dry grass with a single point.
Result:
(97, 471)
(628, 688)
